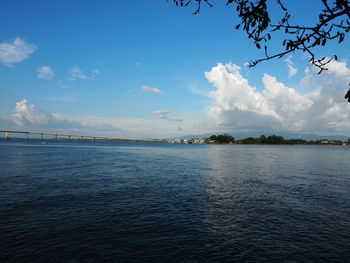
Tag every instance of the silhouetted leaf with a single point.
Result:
(255, 19)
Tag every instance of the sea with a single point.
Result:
(158, 202)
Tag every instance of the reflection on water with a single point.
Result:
(93, 202)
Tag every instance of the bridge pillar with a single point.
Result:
(7, 136)
(94, 139)
(55, 137)
(68, 137)
(27, 137)
(82, 138)
(42, 137)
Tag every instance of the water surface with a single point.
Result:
(135, 202)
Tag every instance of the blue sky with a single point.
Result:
(150, 69)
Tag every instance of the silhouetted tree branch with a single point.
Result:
(333, 24)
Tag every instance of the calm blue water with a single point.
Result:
(133, 202)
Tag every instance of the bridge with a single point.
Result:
(60, 136)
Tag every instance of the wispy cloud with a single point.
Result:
(138, 64)
(61, 99)
(15, 51)
(77, 73)
(64, 86)
(151, 90)
(167, 115)
(193, 88)
(291, 69)
(45, 72)
(95, 71)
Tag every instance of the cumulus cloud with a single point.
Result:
(291, 69)
(28, 116)
(339, 70)
(15, 51)
(77, 73)
(151, 90)
(167, 115)
(238, 105)
(45, 72)
(25, 114)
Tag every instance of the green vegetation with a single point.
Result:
(222, 138)
(272, 139)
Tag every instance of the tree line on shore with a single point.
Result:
(271, 139)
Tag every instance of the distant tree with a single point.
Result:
(333, 24)
(295, 141)
(213, 138)
(262, 139)
(222, 138)
(273, 139)
(250, 140)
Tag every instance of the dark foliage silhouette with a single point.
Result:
(333, 24)
(347, 95)
(222, 138)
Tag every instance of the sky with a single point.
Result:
(149, 69)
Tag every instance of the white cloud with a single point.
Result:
(234, 93)
(28, 114)
(138, 64)
(63, 85)
(131, 127)
(151, 90)
(167, 115)
(237, 105)
(339, 70)
(77, 73)
(291, 70)
(306, 81)
(30, 117)
(45, 72)
(15, 51)
(96, 71)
